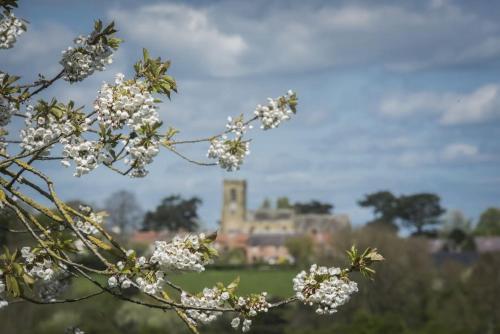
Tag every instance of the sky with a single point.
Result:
(393, 95)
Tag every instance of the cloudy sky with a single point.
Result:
(403, 96)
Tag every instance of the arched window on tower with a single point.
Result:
(232, 195)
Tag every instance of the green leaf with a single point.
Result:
(28, 280)
(18, 268)
(12, 285)
(98, 25)
(234, 284)
(145, 53)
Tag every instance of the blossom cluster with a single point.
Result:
(209, 298)
(3, 302)
(86, 226)
(229, 150)
(237, 126)
(89, 54)
(37, 266)
(150, 282)
(249, 307)
(245, 325)
(150, 285)
(128, 102)
(86, 154)
(253, 304)
(229, 153)
(10, 28)
(182, 253)
(276, 111)
(7, 108)
(324, 287)
(43, 130)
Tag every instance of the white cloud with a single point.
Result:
(184, 33)
(478, 106)
(451, 153)
(459, 151)
(40, 47)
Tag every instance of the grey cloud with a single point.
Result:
(220, 40)
(480, 105)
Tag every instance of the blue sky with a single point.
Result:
(394, 95)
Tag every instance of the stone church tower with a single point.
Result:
(234, 206)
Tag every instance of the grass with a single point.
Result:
(277, 283)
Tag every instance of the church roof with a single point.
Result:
(271, 214)
(268, 239)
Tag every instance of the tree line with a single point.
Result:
(422, 213)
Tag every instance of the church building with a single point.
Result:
(263, 233)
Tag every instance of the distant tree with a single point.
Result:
(266, 204)
(385, 209)
(489, 222)
(420, 210)
(457, 230)
(124, 211)
(456, 220)
(283, 203)
(313, 207)
(174, 213)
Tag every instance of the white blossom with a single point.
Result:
(149, 287)
(246, 325)
(209, 298)
(3, 303)
(37, 266)
(86, 227)
(276, 111)
(182, 253)
(10, 28)
(237, 126)
(28, 255)
(129, 103)
(44, 130)
(228, 153)
(126, 283)
(249, 307)
(37, 134)
(323, 287)
(112, 282)
(235, 323)
(85, 57)
(86, 154)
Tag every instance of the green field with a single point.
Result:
(276, 282)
